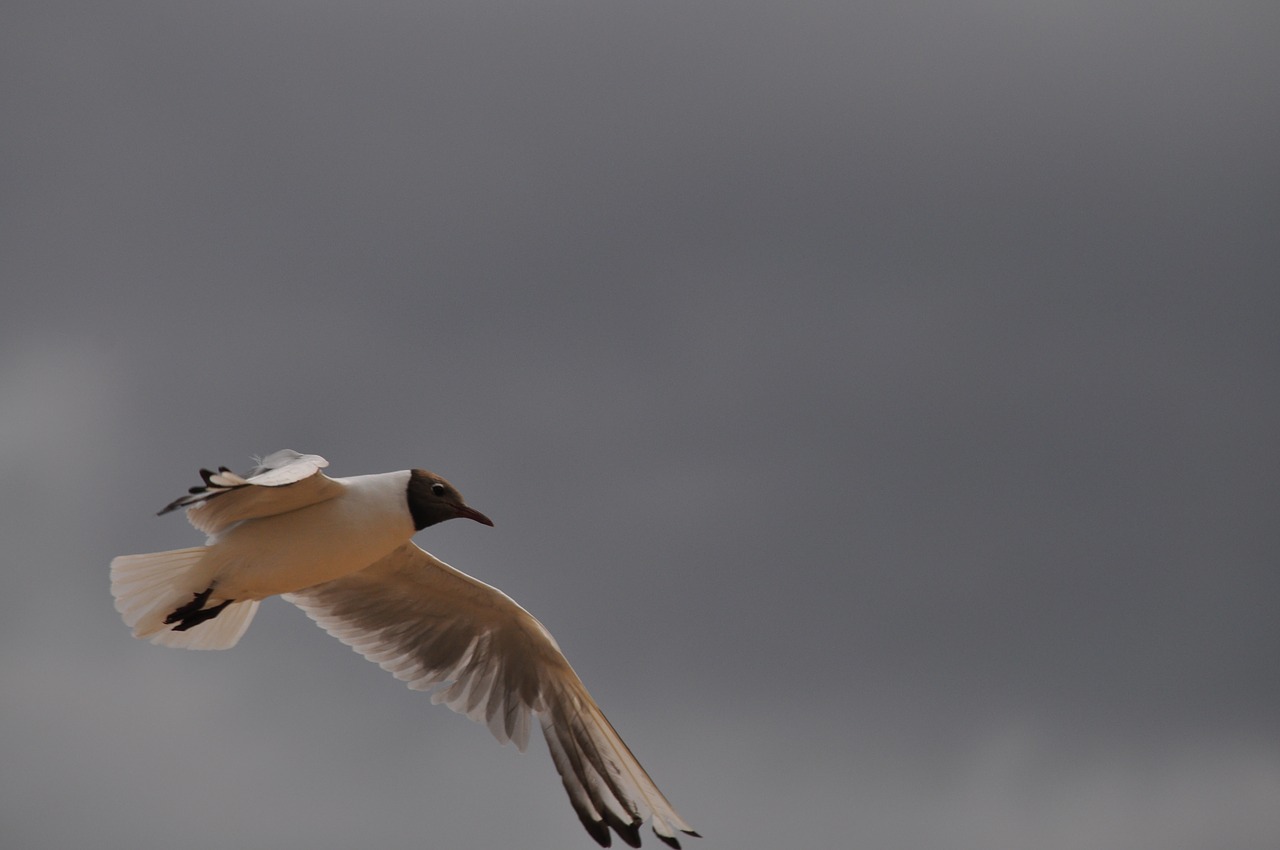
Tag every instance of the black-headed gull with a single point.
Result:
(341, 550)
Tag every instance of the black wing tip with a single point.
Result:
(175, 504)
(628, 832)
(201, 493)
(596, 829)
(671, 841)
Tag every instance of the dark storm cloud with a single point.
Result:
(877, 403)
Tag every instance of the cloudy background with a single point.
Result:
(878, 401)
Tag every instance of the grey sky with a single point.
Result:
(877, 401)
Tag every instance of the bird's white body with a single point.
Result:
(287, 552)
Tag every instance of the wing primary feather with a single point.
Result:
(478, 652)
(607, 769)
(585, 769)
(670, 840)
(578, 797)
(284, 481)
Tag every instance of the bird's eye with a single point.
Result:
(437, 489)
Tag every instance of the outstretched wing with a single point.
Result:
(433, 626)
(282, 481)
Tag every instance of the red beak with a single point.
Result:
(467, 512)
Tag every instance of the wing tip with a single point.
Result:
(224, 479)
(628, 832)
(595, 828)
(669, 838)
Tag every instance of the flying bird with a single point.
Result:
(341, 549)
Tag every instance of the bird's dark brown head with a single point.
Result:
(433, 500)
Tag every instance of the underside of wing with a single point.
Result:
(485, 656)
(283, 481)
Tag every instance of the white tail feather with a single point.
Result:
(148, 588)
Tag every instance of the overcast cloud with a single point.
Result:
(877, 401)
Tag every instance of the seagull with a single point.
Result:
(341, 549)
